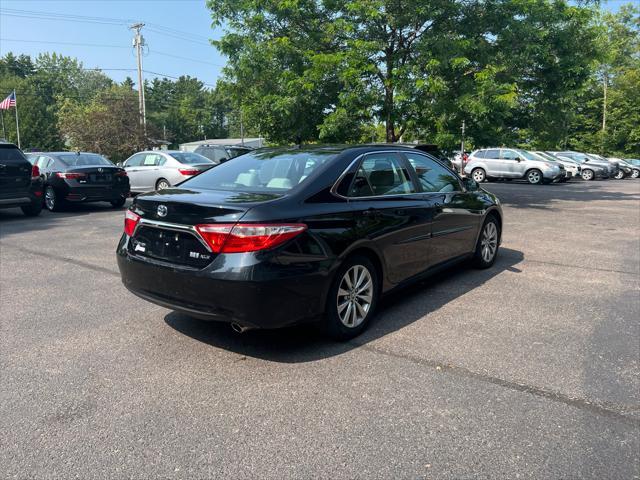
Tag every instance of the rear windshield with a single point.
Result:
(10, 153)
(237, 151)
(265, 171)
(83, 159)
(190, 158)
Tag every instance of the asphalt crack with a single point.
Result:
(603, 409)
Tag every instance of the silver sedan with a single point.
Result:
(155, 170)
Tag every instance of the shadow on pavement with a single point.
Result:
(305, 343)
(13, 221)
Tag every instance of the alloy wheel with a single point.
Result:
(587, 175)
(478, 175)
(489, 241)
(50, 198)
(534, 177)
(635, 174)
(162, 184)
(355, 294)
(619, 175)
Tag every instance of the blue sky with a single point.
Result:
(189, 22)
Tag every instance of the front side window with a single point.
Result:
(261, 172)
(508, 155)
(433, 177)
(381, 174)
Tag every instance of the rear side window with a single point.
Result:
(266, 171)
(480, 154)
(492, 153)
(433, 177)
(381, 174)
(11, 155)
(135, 161)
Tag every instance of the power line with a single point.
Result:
(161, 29)
(164, 54)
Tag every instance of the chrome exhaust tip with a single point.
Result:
(239, 328)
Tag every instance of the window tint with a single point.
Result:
(266, 171)
(82, 159)
(508, 155)
(11, 154)
(433, 176)
(237, 151)
(492, 153)
(190, 158)
(381, 174)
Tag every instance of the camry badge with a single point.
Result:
(162, 210)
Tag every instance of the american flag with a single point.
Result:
(8, 102)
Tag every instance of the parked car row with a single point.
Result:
(538, 167)
(55, 179)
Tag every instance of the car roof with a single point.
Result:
(64, 153)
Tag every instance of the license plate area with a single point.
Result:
(176, 247)
(100, 178)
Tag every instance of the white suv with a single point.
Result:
(510, 163)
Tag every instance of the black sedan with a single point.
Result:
(282, 236)
(74, 177)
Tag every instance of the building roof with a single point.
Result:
(222, 141)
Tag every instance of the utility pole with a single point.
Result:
(462, 141)
(241, 129)
(138, 43)
(604, 101)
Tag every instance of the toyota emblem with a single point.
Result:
(162, 210)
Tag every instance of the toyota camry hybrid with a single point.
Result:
(281, 236)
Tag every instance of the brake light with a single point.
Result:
(121, 173)
(130, 222)
(188, 171)
(247, 237)
(71, 175)
(35, 172)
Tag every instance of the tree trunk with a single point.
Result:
(389, 123)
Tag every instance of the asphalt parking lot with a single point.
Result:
(528, 369)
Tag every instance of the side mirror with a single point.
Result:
(470, 185)
(119, 164)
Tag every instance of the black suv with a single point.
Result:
(20, 182)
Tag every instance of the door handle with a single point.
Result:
(371, 212)
(2, 165)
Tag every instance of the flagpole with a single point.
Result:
(17, 124)
(4, 132)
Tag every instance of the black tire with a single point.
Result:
(588, 175)
(32, 210)
(118, 203)
(479, 175)
(51, 200)
(333, 325)
(162, 183)
(534, 177)
(635, 173)
(479, 259)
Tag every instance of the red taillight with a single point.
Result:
(121, 173)
(35, 172)
(71, 175)
(188, 171)
(247, 237)
(130, 222)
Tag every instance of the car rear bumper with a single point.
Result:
(240, 288)
(30, 196)
(94, 194)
